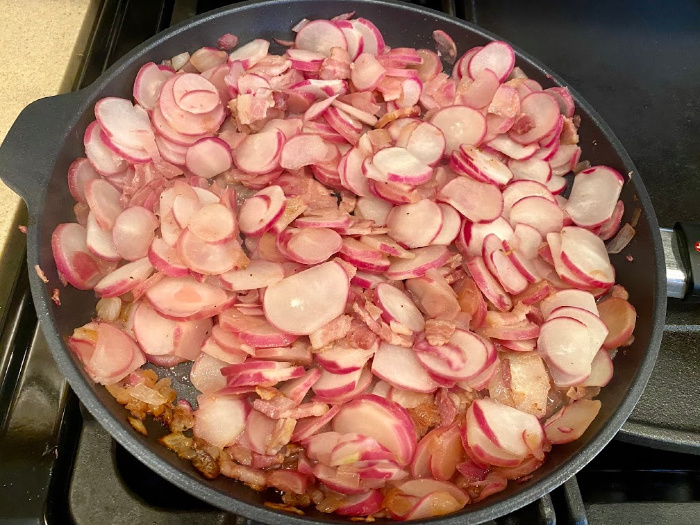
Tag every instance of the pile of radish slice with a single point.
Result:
(390, 306)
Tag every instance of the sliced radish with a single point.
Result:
(149, 81)
(214, 408)
(80, 173)
(260, 153)
(213, 223)
(541, 213)
(205, 374)
(302, 150)
(488, 285)
(124, 123)
(594, 196)
(209, 258)
(415, 225)
(373, 208)
(398, 307)
(577, 298)
(99, 242)
(543, 111)
(399, 165)
(388, 423)
(386, 245)
(312, 245)
(105, 161)
(477, 201)
(208, 157)
(185, 298)
(571, 421)
(565, 344)
(134, 232)
(601, 370)
(252, 330)
(320, 36)
(400, 367)
(259, 212)
(620, 317)
(460, 125)
(425, 259)
(258, 274)
(496, 56)
(585, 255)
(104, 202)
(483, 166)
(331, 385)
(303, 303)
(531, 169)
(250, 54)
(343, 359)
(373, 42)
(165, 259)
(451, 224)
(472, 235)
(124, 279)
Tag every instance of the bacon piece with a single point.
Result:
(439, 331)
(333, 331)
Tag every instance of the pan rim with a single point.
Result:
(196, 485)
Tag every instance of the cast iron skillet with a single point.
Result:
(48, 135)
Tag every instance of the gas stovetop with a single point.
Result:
(638, 64)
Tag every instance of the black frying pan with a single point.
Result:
(48, 134)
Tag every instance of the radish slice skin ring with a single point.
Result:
(346, 242)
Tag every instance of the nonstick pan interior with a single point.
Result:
(50, 203)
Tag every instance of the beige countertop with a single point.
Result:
(41, 46)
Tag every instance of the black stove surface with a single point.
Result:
(638, 64)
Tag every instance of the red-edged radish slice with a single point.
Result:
(354, 38)
(569, 423)
(304, 302)
(505, 102)
(260, 153)
(445, 46)
(367, 281)
(386, 245)
(350, 171)
(251, 53)
(164, 258)
(531, 169)
(486, 166)
(496, 56)
(477, 201)
(304, 60)
(507, 146)
(597, 329)
(209, 258)
(133, 232)
(387, 422)
(259, 212)
(539, 212)
(213, 223)
(73, 259)
(397, 306)
(400, 367)
(565, 344)
(514, 432)
(105, 161)
(123, 122)
(451, 224)
(526, 240)
(460, 125)
(215, 408)
(594, 196)
(258, 274)
(313, 245)
(478, 355)
(104, 202)
(363, 504)
(343, 359)
(363, 256)
(113, 355)
(564, 99)
(472, 235)
(149, 81)
(620, 317)
(303, 150)
(508, 273)
(415, 225)
(331, 385)
(205, 374)
(160, 336)
(601, 370)
(427, 143)
(425, 259)
(543, 111)
(124, 279)
(520, 189)
(320, 36)
(80, 173)
(373, 42)
(99, 242)
(577, 298)
(585, 255)
(208, 157)
(185, 298)
(373, 208)
(488, 284)
(399, 165)
(252, 330)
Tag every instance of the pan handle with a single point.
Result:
(682, 251)
(30, 150)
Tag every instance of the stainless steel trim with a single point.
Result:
(676, 274)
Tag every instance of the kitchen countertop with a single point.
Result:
(41, 46)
